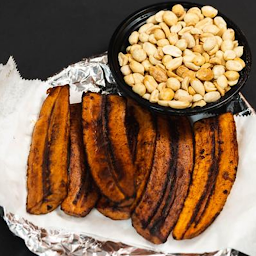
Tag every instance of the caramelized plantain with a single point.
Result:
(158, 180)
(141, 133)
(112, 211)
(227, 163)
(82, 193)
(114, 122)
(204, 169)
(145, 147)
(182, 147)
(48, 157)
(97, 147)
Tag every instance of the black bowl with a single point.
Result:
(119, 42)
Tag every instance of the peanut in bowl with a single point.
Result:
(180, 58)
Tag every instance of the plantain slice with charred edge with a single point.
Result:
(114, 122)
(158, 180)
(97, 147)
(48, 157)
(182, 147)
(145, 147)
(82, 193)
(227, 167)
(204, 169)
(113, 211)
(143, 134)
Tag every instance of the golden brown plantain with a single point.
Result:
(141, 134)
(97, 147)
(227, 163)
(114, 122)
(204, 168)
(182, 147)
(112, 211)
(145, 147)
(82, 193)
(158, 180)
(48, 157)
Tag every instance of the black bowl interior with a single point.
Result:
(119, 42)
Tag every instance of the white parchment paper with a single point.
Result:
(20, 103)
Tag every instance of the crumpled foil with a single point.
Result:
(93, 74)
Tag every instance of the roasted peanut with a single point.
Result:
(200, 103)
(181, 44)
(134, 37)
(149, 48)
(191, 19)
(173, 83)
(185, 83)
(166, 94)
(154, 97)
(150, 83)
(139, 89)
(209, 43)
(198, 86)
(161, 86)
(146, 64)
(197, 97)
(129, 79)
(138, 78)
(174, 63)
(232, 75)
(126, 70)
(137, 67)
(179, 104)
(189, 39)
(139, 55)
(170, 18)
(191, 91)
(159, 34)
(163, 42)
(159, 16)
(172, 50)
(122, 59)
(209, 11)
(218, 70)
(209, 86)
(182, 95)
(204, 74)
(222, 81)
(211, 97)
(173, 38)
(239, 50)
(178, 10)
(158, 73)
(233, 65)
(229, 34)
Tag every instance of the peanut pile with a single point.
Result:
(182, 59)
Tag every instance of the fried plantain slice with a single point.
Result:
(114, 122)
(227, 167)
(82, 193)
(182, 147)
(142, 134)
(145, 147)
(48, 157)
(158, 180)
(112, 211)
(204, 168)
(97, 147)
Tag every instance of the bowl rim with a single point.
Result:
(126, 89)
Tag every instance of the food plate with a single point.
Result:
(46, 240)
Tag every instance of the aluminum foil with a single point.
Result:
(93, 74)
